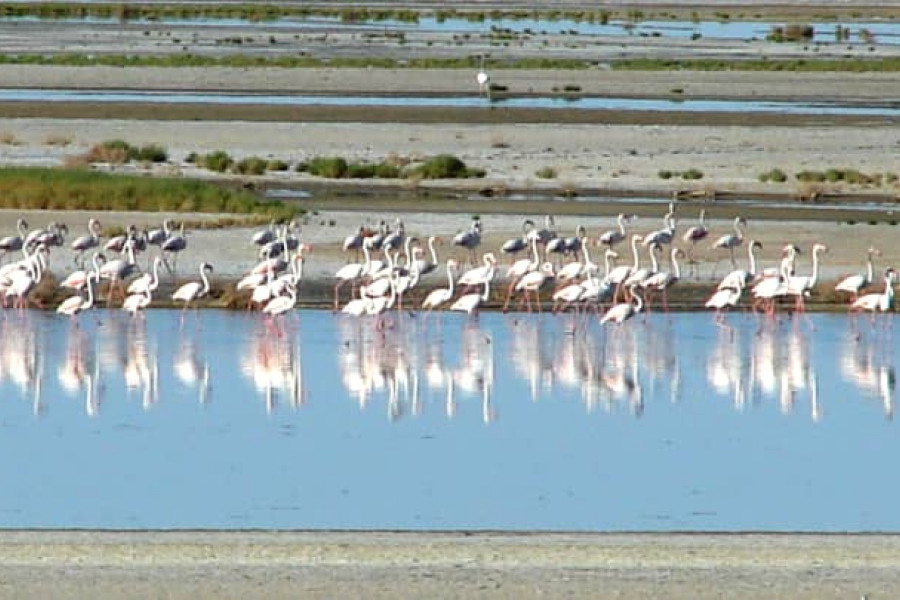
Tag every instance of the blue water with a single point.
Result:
(505, 422)
(884, 32)
(888, 109)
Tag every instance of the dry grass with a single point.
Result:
(9, 139)
(58, 140)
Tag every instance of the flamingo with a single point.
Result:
(352, 272)
(623, 311)
(137, 302)
(84, 243)
(174, 245)
(695, 234)
(531, 283)
(614, 236)
(722, 299)
(193, 289)
(515, 245)
(428, 265)
(14, 243)
(801, 286)
(730, 241)
(147, 281)
(547, 233)
(117, 270)
(618, 275)
(441, 295)
(263, 236)
(856, 283)
(662, 281)
(76, 280)
(76, 304)
(469, 239)
(469, 303)
(882, 302)
(482, 274)
(740, 278)
(665, 235)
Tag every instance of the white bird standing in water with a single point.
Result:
(484, 80)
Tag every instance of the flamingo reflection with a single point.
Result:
(869, 366)
(190, 369)
(273, 364)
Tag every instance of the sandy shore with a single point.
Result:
(451, 565)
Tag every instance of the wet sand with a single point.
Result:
(446, 565)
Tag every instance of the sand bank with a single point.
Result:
(446, 565)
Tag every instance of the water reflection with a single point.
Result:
(415, 367)
(469, 409)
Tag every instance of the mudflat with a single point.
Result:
(78, 564)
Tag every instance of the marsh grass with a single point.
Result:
(65, 189)
(871, 64)
(61, 141)
(9, 139)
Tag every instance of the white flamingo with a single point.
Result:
(76, 304)
(192, 290)
(441, 295)
(730, 241)
(854, 284)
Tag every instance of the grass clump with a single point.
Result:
(665, 174)
(444, 166)
(775, 175)
(331, 167)
(277, 165)
(79, 189)
(218, 161)
(546, 173)
(692, 174)
(118, 152)
(252, 165)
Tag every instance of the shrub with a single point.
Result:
(360, 170)
(330, 167)
(692, 174)
(776, 175)
(151, 153)
(217, 161)
(252, 165)
(664, 174)
(443, 166)
(546, 173)
(277, 165)
(386, 170)
(191, 158)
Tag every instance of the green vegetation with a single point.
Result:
(444, 166)
(546, 173)
(689, 174)
(849, 65)
(252, 165)
(775, 175)
(78, 189)
(665, 174)
(120, 151)
(851, 176)
(438, 167)
(218, 161)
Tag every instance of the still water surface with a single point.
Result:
(889, 108)
(504, 422)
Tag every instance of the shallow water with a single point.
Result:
(444, 422)
(889, 109)
(879, 32)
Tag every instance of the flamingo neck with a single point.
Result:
(653, 260)
(205, 280)
(450, 279)
(815, 271)
(622, 224)
(487, 288)
(752, 255)
(431, 249)
(675, 266)
(634, 252)
(870, 269)
(90, 293)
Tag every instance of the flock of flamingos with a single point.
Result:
(386, 263)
